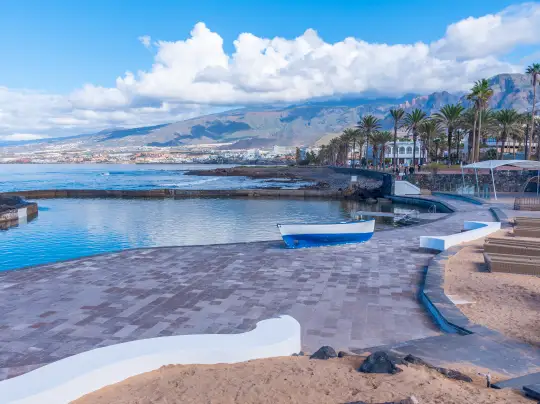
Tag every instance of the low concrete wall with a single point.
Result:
(179, 193)
(405, 188)
(70, 378)
(13, 210)
(441, 207)
(473, 231)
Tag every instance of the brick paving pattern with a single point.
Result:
(350, 297)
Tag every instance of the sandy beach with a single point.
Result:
(291, 380)
(507, 303)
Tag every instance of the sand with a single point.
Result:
(507, 303)
(293, 380)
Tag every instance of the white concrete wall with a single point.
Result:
(70, 378)
(474, 231)
(405, 188)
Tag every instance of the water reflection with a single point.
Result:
(71, 228)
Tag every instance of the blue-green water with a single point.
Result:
(71, 228)
(20, 177)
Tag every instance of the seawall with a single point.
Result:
(14, 209)
(179, 193)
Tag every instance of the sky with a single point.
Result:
(71, 67)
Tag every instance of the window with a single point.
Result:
(401, 150)
(409, 150)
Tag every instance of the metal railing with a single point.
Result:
(527, 204)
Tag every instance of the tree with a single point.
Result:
(397, 116)
(480, 93)
(379, 140)
(350, 136)
(449, 116)
(297, 155)
(469, 123)
(368, 125)
(510, 124)
(412, 122)
(534, 71)
(429, 130)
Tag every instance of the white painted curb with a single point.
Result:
(70, 378)
(474, 231)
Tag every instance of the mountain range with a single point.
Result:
(306, 123)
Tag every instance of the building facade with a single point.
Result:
(405, 152)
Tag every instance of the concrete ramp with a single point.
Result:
(405, 188)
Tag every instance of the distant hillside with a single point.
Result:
(301, 124)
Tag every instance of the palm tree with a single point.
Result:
(397, 116)
(534, 71)
(468, 123)
(379, 141)
(333, 147)
(368, 125)
(428, 130)
(347, 137)
(480, 94)
(412, 122)
(510, 124)
(449, 116)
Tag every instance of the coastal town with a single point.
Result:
(270, 202)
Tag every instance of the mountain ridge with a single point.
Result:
(291, 125)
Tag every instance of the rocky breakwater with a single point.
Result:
(323, 178)
(13, 209)
(365, 189)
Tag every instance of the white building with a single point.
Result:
(405, 152)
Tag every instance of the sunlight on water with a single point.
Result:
(71, 228)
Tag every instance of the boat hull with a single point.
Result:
(305, 235)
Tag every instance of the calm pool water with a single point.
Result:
(71, 228)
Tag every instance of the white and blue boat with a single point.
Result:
(313, 235)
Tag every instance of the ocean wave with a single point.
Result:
(190, 183)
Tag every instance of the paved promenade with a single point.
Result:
(350, 297)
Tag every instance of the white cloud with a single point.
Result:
(196, 76)
(146, 40)
(22, 136)
(492, 34)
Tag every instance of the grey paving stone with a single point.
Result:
(350, 297)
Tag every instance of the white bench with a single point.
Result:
(473, 231)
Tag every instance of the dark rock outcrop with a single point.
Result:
(342, 354)
(450, 373)
(12, 202)
(380, 362)
(324, 352)
(454, 374)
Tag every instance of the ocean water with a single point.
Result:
(72, 228)
(20, 177)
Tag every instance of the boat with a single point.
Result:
(313, 235)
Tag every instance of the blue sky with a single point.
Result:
(71, 67)
(58, 45)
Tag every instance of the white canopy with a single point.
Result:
(492, 164)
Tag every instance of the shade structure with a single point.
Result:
(493, 164)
